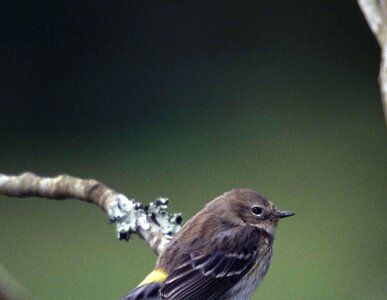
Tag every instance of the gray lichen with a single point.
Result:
(128, 215)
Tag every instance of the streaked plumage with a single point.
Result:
(223, 252)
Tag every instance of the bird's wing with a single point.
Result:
(149, 288)
(207, 276)
(148, 291)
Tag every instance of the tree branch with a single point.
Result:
(375, 13)
(372, 11)
(152, 222)
(10, 288)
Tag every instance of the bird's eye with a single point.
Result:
(257, 210)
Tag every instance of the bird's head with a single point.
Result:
(248, 208)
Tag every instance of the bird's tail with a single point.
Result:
(149, 291)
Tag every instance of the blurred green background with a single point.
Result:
(187, 100)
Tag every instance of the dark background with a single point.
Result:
(188, 100)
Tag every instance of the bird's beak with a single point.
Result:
(280, 214)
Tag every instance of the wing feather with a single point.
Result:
(210, 270)
(145, 292)
(206, 276)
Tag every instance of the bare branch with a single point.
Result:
(375, 13)
(58, 188)
(10, 288)
(152, 222)
(383, 79)
(372, 11)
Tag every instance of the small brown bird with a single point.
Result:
(222, 253)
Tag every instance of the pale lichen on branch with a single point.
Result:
(151, 222)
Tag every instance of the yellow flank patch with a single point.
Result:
(158, 275)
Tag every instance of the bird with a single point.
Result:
(221, 253)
